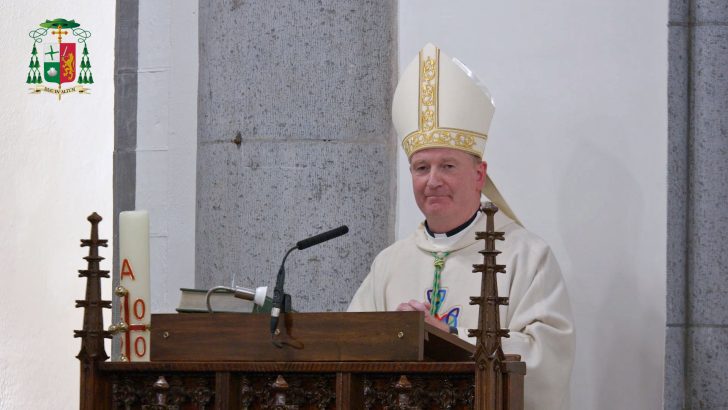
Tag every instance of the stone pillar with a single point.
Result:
(697, 271)
(294, 138)
(126, 62)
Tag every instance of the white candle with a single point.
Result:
(134, 275)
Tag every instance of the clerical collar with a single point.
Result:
(452, 232)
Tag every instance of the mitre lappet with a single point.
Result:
(439, 103)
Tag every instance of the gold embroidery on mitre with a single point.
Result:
(429, 134)
(444, 138)
(428, 91)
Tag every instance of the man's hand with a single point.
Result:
(415, 306)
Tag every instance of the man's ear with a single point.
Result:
(482, 171)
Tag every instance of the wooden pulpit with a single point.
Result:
(379, 360)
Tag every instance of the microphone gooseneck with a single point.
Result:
(279, 296)
(278, 293)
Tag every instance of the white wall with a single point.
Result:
(167, 143)
(55, 169)
(578, 146)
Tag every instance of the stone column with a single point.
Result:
(294, 138)
(126, 62)
(697, 271)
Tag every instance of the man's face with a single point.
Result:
(447, 184)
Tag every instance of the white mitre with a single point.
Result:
(440, 104)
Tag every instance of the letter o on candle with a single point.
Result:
(139, 305)
(140, 346)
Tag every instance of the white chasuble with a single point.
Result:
(538, 315)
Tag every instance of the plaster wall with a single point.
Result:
(578, 146)
(55, 170)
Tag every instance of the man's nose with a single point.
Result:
(433, 179)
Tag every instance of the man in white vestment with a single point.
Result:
(442, 115)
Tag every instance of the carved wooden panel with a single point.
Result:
(187, 391)
(453, 391)
(305, 391)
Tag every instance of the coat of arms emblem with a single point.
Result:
(57, 40)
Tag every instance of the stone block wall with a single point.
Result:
(294, 138)
(697, 271)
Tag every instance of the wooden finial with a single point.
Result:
(161, 388)
(403, 387)
(488, 350)
(280, 389)
(92, 335)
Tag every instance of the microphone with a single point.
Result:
(278, 295)
(322, 237)
(256, 295)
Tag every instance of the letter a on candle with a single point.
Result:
(126, 269)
